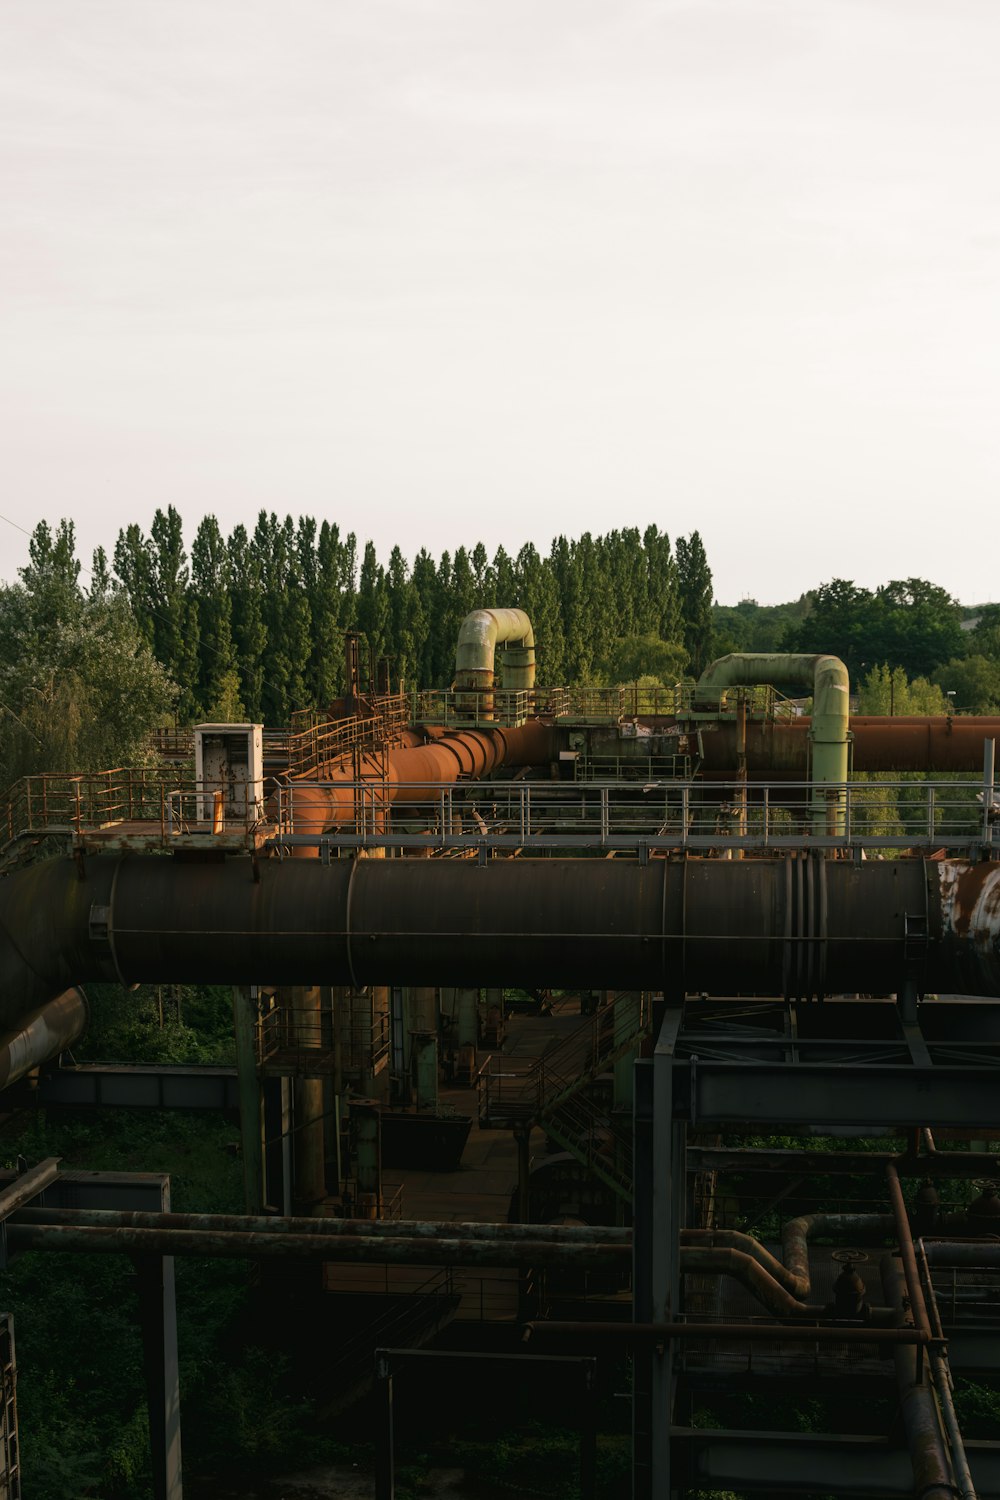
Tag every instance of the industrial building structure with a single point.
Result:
(753, 937)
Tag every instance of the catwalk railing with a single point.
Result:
(959, 816)
(159, 804)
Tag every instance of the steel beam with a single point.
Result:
(874, 1095)
(139, 1086)
(774, 1463)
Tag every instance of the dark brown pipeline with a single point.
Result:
(693, 924)
(879, 743)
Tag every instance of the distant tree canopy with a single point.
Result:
(80, 687)
(253, 624)
(906, 623)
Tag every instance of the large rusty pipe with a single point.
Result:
(780, 751)
(410, 773)
(593, 923)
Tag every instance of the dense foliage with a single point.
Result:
(79, 685)
(253, 623)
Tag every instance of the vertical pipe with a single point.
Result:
(523, 1138)
(310, 1134)
(989, 778)
(245, 1021)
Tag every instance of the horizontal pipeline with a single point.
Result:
(332, 1247)
(752, 1333)
(785, 926)
(388, 1229)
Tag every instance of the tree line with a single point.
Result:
(251, 625)
(907, 641)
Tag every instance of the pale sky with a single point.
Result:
(455, 270)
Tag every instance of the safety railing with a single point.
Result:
(320, 743)
(958, 816)
(309, 1041)
(513, 1092)
(145, 802)
(176, 744)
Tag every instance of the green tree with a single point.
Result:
(218, 670)
(974, 681)
(79, 686)
(694, 585)
(906, 623)
(888, 690)
(247, 620)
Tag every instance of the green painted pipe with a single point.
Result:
(830, 716)
(478, 637)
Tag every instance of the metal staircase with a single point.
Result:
(556, 1091)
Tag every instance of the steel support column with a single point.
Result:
(158, 1321)
(245, 1014)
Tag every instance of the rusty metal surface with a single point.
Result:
(969, 897)
(448, 755)
(688, 923)
(711, 1261)
(352, 1249)
(879, 743)
(389, 1229)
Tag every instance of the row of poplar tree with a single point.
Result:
(253, 623)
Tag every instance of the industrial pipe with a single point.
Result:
(689, 924)
(479, 635)
(932, 1476)
(42, 1035)
(779, 750)
(409, 774)
(831, 711)
(792, 1274)
(387, 1229)
(733, 1332)
(352, 1250)
(696, 1261)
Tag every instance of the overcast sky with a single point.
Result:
(458, 270)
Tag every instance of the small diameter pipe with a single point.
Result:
(907, 1254)
(793, 1274)
(942, 1381)
(751, 1274)
(396, 1229)
(932, 1477)
(754, 1333)
(454, 1252)
(963, 1254)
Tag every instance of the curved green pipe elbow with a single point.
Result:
(480, 634)
(831, 697)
